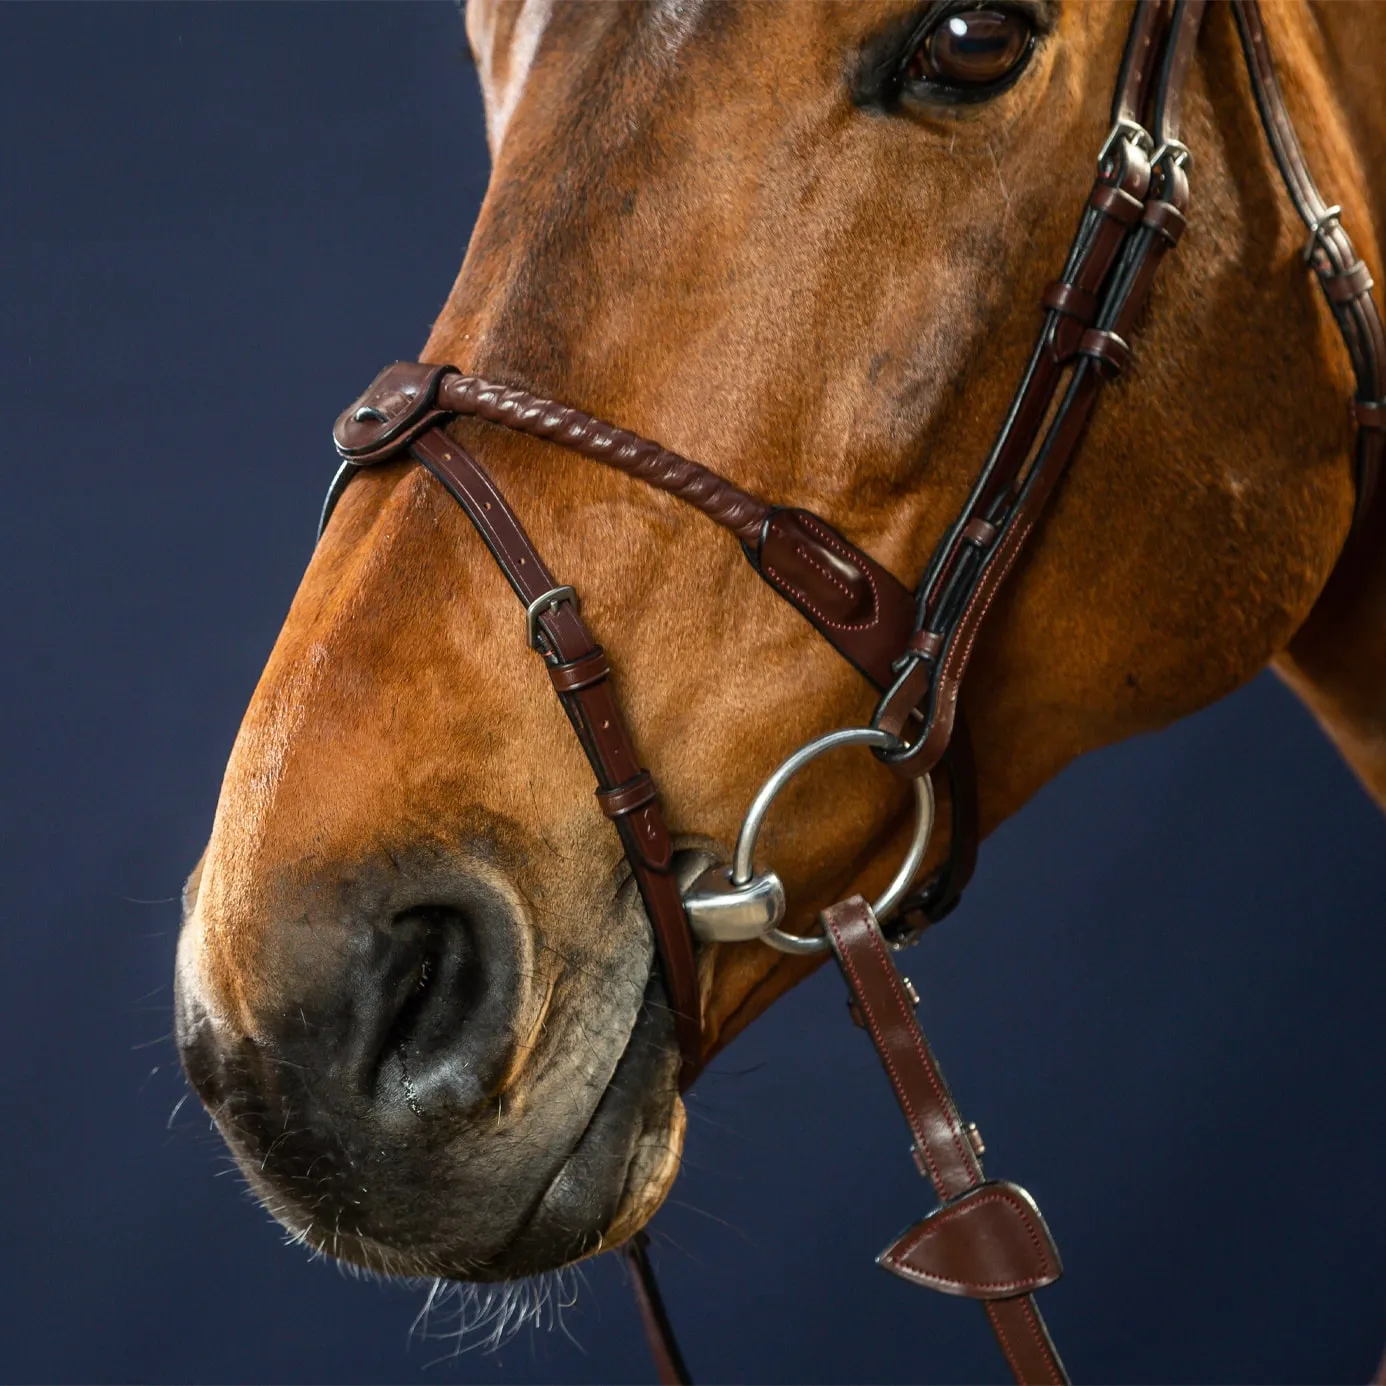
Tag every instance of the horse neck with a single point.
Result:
(1336, 662)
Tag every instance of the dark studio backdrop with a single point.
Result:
(1161, 1002)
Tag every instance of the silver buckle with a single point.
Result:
(1178, 149)
(1125, 130)
(1317, 227)
(546, 602)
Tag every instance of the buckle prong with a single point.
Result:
(1179, 152)
(1318, 228)
(1125, 130)
(546, 601)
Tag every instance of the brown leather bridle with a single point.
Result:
(986, 1240)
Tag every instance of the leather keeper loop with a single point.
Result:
(581, 673)
(1352, 283)
(1071, 301)
(980, 532)
(1165, 218)
(925, 643)
(1107, 349)
(1369, 413)
(628, 797)
(1113, 202)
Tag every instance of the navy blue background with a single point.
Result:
(1161, 1002)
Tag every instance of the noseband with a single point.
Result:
(986, 1240)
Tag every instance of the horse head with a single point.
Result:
(802, 245)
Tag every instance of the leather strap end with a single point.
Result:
(647, 841)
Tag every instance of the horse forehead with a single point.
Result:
(508, 36)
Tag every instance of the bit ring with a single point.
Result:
(743, 860)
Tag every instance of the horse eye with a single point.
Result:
(972, 53)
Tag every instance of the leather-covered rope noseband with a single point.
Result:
(986, 1240)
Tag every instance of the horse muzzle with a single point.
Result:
(406, 1087)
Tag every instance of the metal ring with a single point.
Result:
(743, 860)
(543, 603)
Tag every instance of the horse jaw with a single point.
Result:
(1336, 663)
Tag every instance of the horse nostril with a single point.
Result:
(435, 974)
(437, 988)
(361, 1018)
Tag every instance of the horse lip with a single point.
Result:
(692, 860)
(631, 1121)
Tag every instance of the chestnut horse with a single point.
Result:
(801, 244)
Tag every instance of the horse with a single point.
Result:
(416, 983)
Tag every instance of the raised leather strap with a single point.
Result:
(572, 428)
(987, 1239)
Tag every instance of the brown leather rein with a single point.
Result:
(986, 1240)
